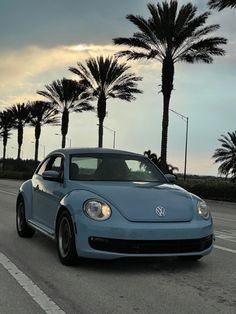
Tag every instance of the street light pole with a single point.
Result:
(114, 140)
(43, 150)
(114, 134)
(186, 119)
(186, 149)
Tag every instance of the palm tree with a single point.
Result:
(67, 96)
(168, 36)
(20, 115)
(41, 113)
(226, 154)
(153, 157)
(157, 161)
(221, 4)
(6, 124)
(106, 78)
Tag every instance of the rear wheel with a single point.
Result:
(23, 229)
(66, 239)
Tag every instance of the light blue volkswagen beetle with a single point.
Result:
(105, 203)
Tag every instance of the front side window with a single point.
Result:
(42, 167)
(56, 164)
(110, 167)
(52, 163)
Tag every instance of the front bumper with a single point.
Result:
(121, 238)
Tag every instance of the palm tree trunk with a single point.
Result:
(64, 126)
(100, 133)
(167, 86)
(20, 140)
(63, 141)
(36, 150)
(4, 157)
(101, 111)
(5, 136)
(37, 132)
(19, 152)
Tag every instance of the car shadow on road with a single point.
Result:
(141, 265)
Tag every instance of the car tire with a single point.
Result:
(22, 228)
(66, 240)
(191, 257)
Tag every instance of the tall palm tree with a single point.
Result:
(20, 115)
(41, 113)
(6, 124)
(226, 154)
(67, 96)
(106, 78)
(168, 36)
(221, 4)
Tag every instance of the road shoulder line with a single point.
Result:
(30, 287)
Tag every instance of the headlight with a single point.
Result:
(97, 210)
(203, 210)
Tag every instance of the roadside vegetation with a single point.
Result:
(207, 187)
(17, 169)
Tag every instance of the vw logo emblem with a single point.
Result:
(160, 211)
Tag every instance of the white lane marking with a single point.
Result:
(224, 219)
(30, 287)
(224, 249)
(226, 239)
(227, 235)
(6, 192)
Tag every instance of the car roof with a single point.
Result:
(93, 150)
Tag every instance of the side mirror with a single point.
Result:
(170, 177)
(52, 175)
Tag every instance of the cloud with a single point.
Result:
(19, 65)
(24, 71)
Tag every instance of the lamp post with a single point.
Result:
(43, 150)
(186, 119)
(114, 134)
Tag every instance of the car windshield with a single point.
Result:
(113, 167)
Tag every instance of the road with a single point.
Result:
(32, 280)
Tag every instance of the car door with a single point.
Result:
(47, 194)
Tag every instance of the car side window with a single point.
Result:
(42, 167)
(56, 163)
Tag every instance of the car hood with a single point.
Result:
(138, 201)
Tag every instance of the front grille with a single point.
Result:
(150, 246)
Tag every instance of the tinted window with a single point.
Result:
(111, 167)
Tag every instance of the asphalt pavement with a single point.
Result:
(32, 280)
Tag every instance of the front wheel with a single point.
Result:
(22, 228)
(66, 239)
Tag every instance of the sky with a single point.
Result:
(40, 40)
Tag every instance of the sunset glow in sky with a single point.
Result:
(41, 39)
